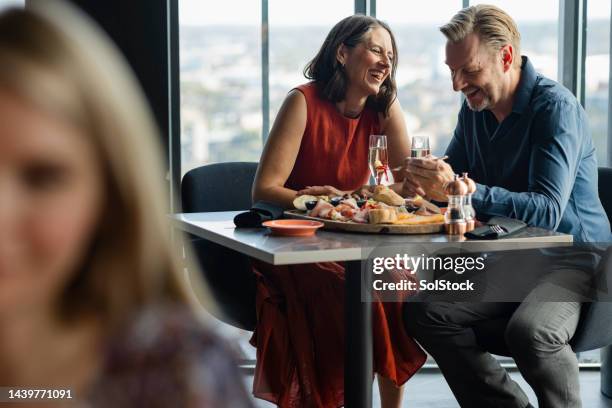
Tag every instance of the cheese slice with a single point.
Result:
(421, 219)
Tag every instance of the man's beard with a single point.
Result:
(484, 104)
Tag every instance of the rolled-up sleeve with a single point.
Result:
(555, 138)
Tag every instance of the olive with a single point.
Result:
(361, 202)
(310, 204)
(411, 208)
(335, 200)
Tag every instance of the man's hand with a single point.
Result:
(410, 187)
(427, 176)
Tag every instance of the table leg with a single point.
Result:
(358, 370)
(606, 371)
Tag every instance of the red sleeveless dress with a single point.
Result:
(300, 335)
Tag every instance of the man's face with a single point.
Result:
(476, 71)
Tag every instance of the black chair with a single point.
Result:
(595, 327)
(605, 190)
(223, 187)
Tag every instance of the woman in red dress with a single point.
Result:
(319, 145)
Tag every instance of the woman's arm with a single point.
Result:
(280, 152)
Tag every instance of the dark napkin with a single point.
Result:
(260, 211)
(508, 226)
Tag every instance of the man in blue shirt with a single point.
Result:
(525, 140)
(528, 147)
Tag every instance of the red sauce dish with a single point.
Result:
(293, 228)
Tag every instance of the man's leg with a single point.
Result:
(538, 335)
(474, 376)
(542, 326)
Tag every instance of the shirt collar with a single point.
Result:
(525, 86)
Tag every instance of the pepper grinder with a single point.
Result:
(470, 213)
(454, 218)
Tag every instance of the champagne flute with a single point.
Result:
(378, 158)
(420, 146)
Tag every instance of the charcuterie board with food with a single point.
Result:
(385, 212)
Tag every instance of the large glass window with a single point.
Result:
(424, 87)
(597, 74)
(538, 23)
(220, 63)
(296, 31)
(11, 3)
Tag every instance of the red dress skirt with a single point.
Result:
(300, 336)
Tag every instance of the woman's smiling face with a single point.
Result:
(369, 63)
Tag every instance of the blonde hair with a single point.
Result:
(492, 25)
(56, 59)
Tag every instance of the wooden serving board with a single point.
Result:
(370, 228)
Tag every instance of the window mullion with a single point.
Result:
(265, 71)
(572, 46)
(174, 105)
(367, 7)
(609, 147)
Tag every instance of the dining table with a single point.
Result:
(354, 250)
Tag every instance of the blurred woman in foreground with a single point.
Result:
(92, 295)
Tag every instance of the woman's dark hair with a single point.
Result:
(325, 69)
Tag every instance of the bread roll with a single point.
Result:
(299, 202)
(382, 216)
(385, 195)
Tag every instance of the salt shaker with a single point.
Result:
(470, 213)
(454, 218)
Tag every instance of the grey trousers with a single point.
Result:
(537, 336)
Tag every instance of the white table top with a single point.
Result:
(327, 246)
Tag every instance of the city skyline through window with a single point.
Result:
(221, 66)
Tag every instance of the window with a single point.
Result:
(220, 63)
(11, 3)
(538, 23)
(297, 31)
(423, 80)
(424, 86)
(597, 74)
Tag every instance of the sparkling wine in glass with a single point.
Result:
(420, 146)
(378, 158)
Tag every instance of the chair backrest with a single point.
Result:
(218, 187)
(223, 187)
(605, 190)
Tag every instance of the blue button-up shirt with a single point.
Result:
(538, 164)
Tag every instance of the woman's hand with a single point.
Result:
(365, 191)
(330, 191)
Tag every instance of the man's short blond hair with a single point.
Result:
(492, 25)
